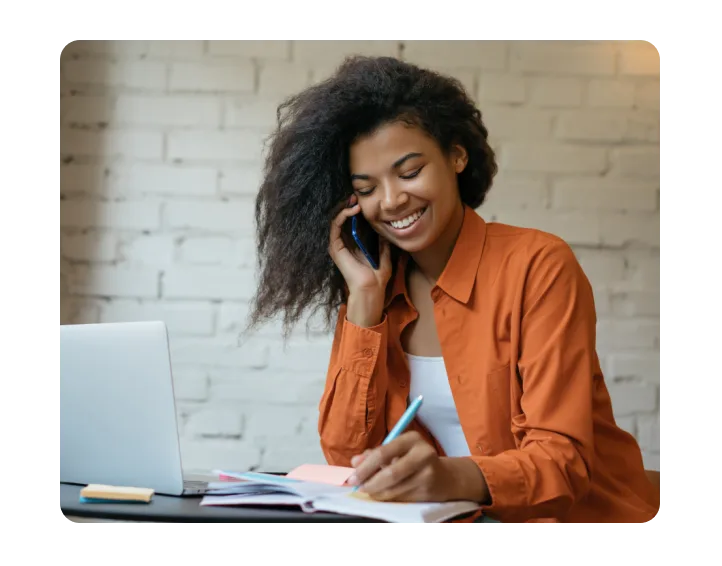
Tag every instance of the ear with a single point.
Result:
(459, 158)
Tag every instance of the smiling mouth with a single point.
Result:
(408, 221)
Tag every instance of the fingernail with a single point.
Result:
(350, 200)
(353, 480)
(355, 460)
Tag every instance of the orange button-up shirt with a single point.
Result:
(515, 317)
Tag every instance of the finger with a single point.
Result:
(391, 476)
(383, 455)
(413, 488)
(356, 460)
(335, 240)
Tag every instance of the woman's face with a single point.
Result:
(406, 186)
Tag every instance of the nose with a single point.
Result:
(393, 197)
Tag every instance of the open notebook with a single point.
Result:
(266, 489)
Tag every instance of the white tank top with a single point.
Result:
(438, 411)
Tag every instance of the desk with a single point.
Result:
(168, 509)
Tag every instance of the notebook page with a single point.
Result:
(394, 512)
(266, 499)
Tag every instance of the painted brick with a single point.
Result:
(86, 110)
(167, 111)
(627, 334)
(608, 93)
(647, 95)
(282, 78)
(135, 75)
(206, 455)
(604, 194)
(241, 180)
(175, 50)
(235, 146)
(639, 162)
(213, 283)
(250, 49)
(182, 319)
(112, 281)
(210, 250)
(643, 126)
(298, 352)
(562, 58)
(635, 303)
(273, 421)
(105, 47)
(232, 216)
(215, 423)
(171, 180)
(638, 365)
(325, 51)
(552, 158)
(486, 55)
(143, 215)
(629, 398)
(641, 60)
(620, 229)
(515, 124)
(511, 190)
(555, 92)
(602, 267)
(94, 247)
(205, 77)
(251, 112)
(223, 351)
(108, 143)
(573, 227)
(148, 249)
(78, 178)
(501, 89)
(190, 384)
(292, 388)
(591, 126)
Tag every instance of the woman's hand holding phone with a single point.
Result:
(367, 286)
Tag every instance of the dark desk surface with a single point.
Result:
(169, 509)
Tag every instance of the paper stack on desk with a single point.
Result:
(267, 489)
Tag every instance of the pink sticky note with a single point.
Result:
(333, 475)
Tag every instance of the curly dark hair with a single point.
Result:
(307, 177)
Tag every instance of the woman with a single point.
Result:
(493, 324)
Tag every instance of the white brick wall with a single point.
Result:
(161, 148)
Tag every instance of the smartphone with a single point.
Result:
(366, 239)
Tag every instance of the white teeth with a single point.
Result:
(398, 224)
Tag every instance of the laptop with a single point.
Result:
(117, 409)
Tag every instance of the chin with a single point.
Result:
(413, 246)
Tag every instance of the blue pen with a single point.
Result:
(404, 421)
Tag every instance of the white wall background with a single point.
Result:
(160, 161)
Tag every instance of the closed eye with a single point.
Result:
(365, 192)
(412, 174)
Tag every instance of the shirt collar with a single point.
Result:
(459, 275)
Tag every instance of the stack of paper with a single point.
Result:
(266, 489)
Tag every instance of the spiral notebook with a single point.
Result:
(257, 489)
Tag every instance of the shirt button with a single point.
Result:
(368, 352)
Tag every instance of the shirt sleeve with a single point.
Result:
(559, 370)
(352, 408)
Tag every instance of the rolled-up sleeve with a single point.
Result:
(559, 371)
(352, 408)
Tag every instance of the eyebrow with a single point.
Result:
(398, 163)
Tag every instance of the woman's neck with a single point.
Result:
(432, 261)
